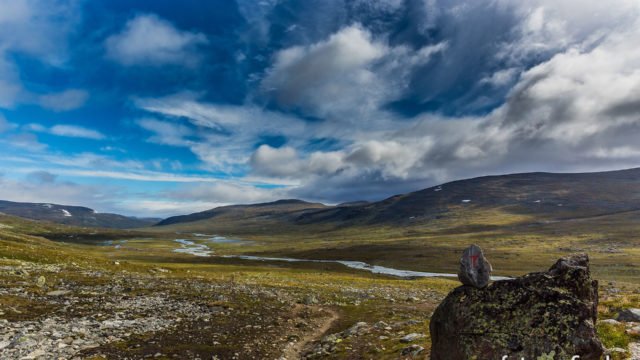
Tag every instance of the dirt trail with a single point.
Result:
(294, 350)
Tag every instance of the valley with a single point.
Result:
(227, 285)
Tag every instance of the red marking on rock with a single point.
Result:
(474, 259)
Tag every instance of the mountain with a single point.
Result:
(72, 215)
(287, 209)
(547, 195)
(542, 196)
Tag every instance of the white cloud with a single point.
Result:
(577, 111)
(64, 101)
(149, 40)
(166, 133)
(282, 162)
(501, 77)
(35, 28)
(224, 135)
(75, 131)
(345, 76)
(286, 162)
(67, 131)
(227, 193)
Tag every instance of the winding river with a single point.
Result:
(190, 247)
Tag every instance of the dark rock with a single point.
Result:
(629, 315)
(475, 269)
(548, 314)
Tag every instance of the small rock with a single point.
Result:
(411, 337)
(615, 350)
(58, 293)
(629, 315)
(610, 321)
(41, 281)
(635, 331)
(357, 329)
(4, 344)
(381, 325)
(412, 350)
(310, 300)
(475, 269)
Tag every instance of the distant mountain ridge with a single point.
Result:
(545, 195)
(279, 207)
(72, 215)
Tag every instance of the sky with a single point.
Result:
(157, 108)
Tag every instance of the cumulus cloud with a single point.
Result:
(576, 111)
(149, 40)
(350, 100)
(327, 78)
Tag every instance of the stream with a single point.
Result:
(192, 248)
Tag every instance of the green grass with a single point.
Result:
(614, 336)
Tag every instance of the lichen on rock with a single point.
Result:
(533, 316)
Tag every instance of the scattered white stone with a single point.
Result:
(466, 201)
(411, 337)
(610, 321)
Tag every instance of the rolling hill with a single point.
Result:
(544, 196)
(72, 215)
(284, 210)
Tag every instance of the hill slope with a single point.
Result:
(71, 215)
(545, 196)
(284, 210)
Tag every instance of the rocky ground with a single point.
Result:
(167, 311)
(66, 312)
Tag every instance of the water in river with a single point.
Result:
(189, 247)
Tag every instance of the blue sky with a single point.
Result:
(155, 108)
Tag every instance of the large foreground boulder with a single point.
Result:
(548, 315)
